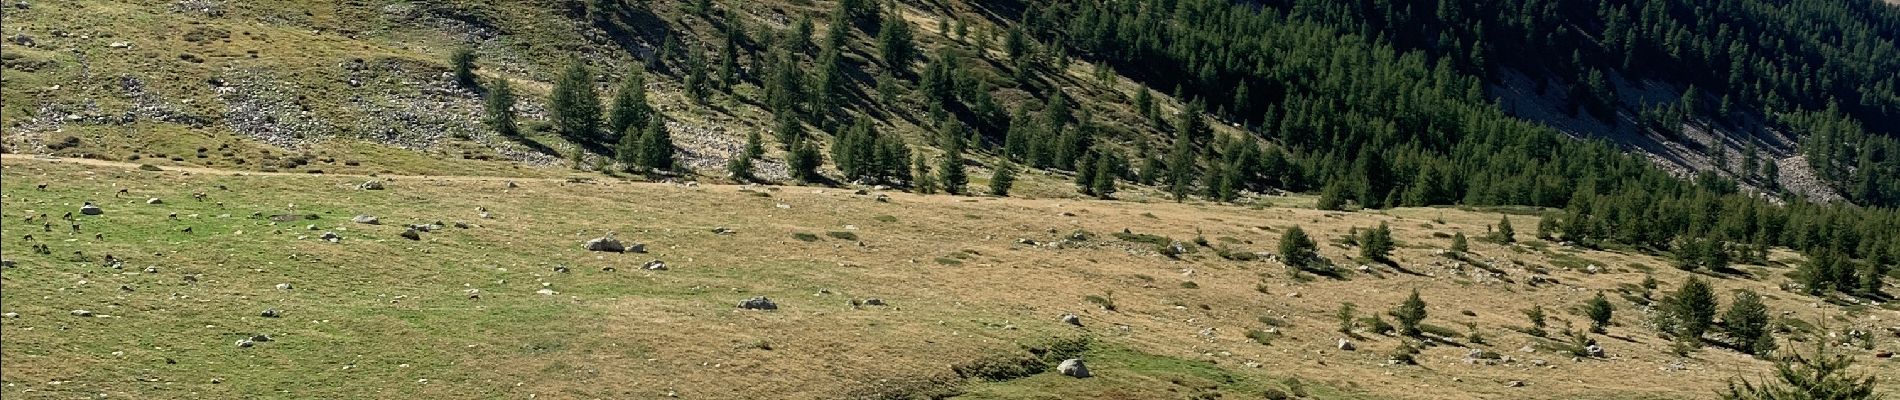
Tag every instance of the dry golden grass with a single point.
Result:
(641, 334)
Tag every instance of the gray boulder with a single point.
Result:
(371, 185)
(411, 234)
(154, 200)
(1346, 345)
(1071, 319)
(1073, 367)
(90, 209)
(758, 303)
(607, 244)
(366, 219)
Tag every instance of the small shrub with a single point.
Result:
(804, 237)
(1262, 337)
(1377, 325)
(1190, 285)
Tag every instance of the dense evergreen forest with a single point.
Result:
(1373, 104)
(1380, 103)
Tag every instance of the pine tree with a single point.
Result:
(1085, 174)
(656, 147)
(463, 62)
(1332, 197)
(950, 173)
(501, 109)
(1103, 185)
(1538, 320)
(783, 90)
(627, 150)
(1377, 244)
(739, 168)
(1181, 168)
(1145, 103)
(1410, 314)
(1599, 310)
(1690, 311)
(1297, 249)
(729, 59)
(1747, 322)
(1458, 244)
(630, 108)
(1002, 179)
(828, 82)
(1823, 376)
(698, 86)
(789, 131)
(575, 107)
(926, 181)
(754, 146)
(895, 45)
(1058, 112)
(804, 161)
(1347, 316)
(1505, 234)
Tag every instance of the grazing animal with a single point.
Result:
(41, 187)
(121, 192)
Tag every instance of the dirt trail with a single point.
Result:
(219, 171)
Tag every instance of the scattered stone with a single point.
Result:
(606, 244)
(371, 185)
(245, 343)
(560, 269)
(1346, 345)
(545, 292)
(271, 313)
(1073, 367)
(82, 313)
(512, 185)
(655, 265)
(1514, 384)
(331, 236)
(1072, 319)
(722, 231)
(411, 234)
(154, 200)
(758, 303)
(473, 293)
(151, 270)
(10, 315)
(1538, 362)
(283, 286)
(90, 209)
(366, 220)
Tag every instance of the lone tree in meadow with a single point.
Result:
(1689, 312)
(1410, 314)
(1376, 244)
(1001, 181)
(1599, 310)
(1504, 234)
(1297, 249)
